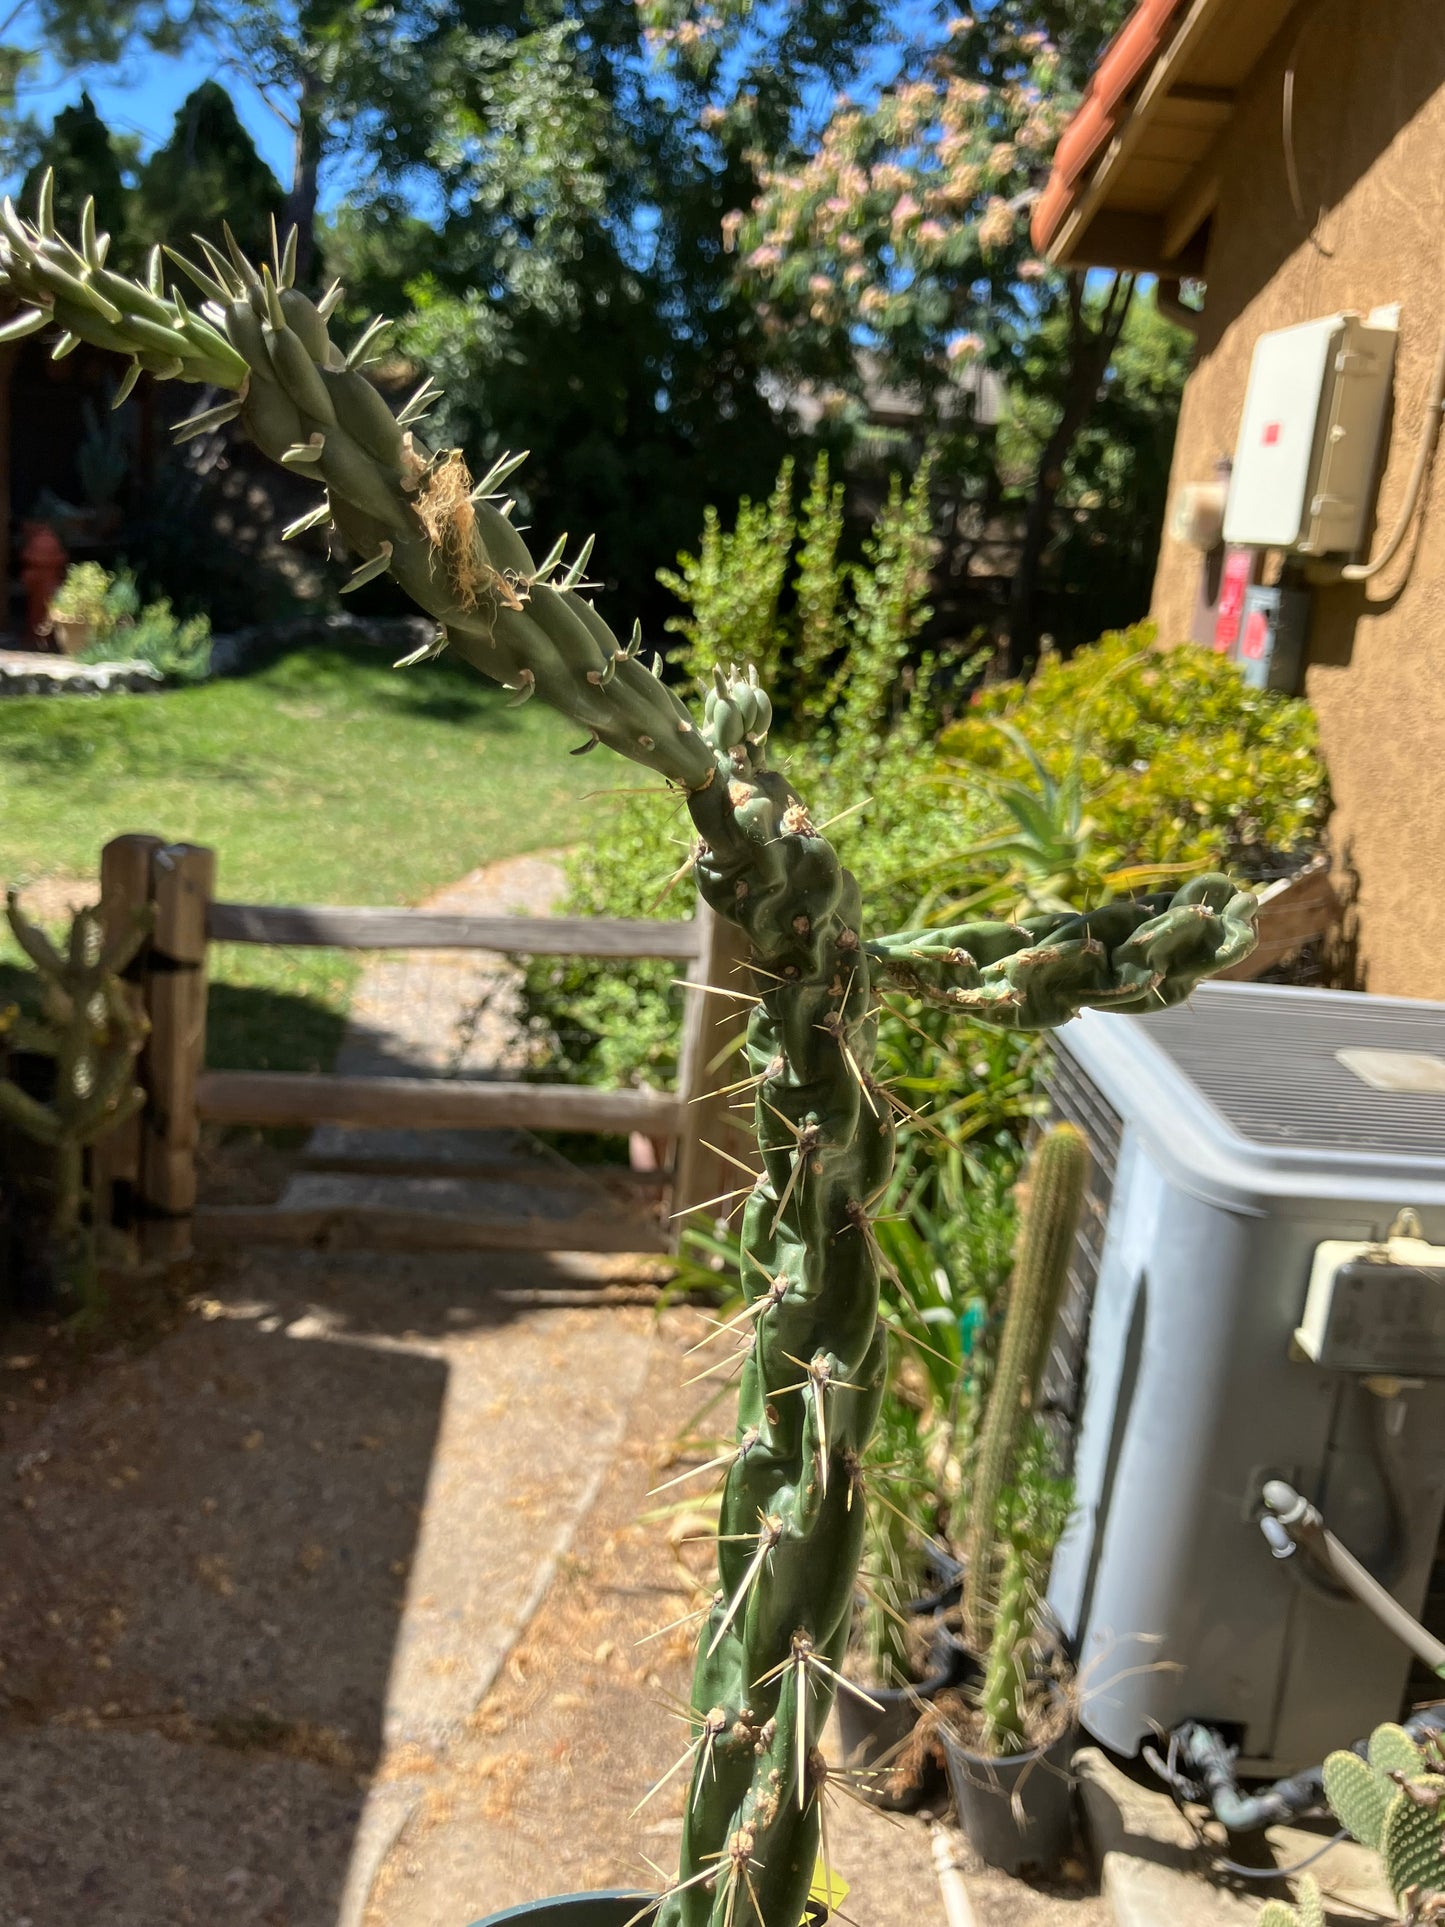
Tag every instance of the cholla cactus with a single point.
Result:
(811, 1352)
(87, 1025)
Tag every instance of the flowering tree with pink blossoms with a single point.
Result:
(896, 218)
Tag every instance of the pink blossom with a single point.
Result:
(872, 301)
(996, 229)
(1031, 271)
(964, 347)
(932, 233)
(764, 257)
(819, 284)
(731, 222)
(905, 209)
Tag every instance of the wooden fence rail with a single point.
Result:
(146, 1174)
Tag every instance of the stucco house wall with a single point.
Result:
(1369, 141)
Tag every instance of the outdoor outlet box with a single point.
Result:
(1376, 1308)
(1309, 441)
(1270, 645)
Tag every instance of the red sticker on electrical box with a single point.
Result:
(1256, 635)
(1271, 434)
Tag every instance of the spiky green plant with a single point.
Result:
(1054, 1194)
(1031, 1515)
(1394, 1801)
(813, 1359)
(86, 1024)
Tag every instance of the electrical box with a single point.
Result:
(1376, 1308)
(1270, 645)
(1309, 442)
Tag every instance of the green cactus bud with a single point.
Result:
(1393, 1751)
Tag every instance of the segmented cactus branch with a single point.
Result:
(1394, 1801)
(1034, 975)
(811, 1361)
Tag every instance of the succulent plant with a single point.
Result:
(1391, 1798)
(87, 1025)
(1394, 1801)
(812, 1354)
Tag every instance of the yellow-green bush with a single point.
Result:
(1181, 761)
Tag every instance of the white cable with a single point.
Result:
(1429, 433)
(956, 1903)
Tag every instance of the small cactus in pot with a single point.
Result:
(86, 1027)
(811, 1353)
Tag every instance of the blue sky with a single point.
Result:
(142, 99)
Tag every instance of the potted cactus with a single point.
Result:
(1006, 1747)
(812, 1354)
(69, 1082)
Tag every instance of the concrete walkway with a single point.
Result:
(256, 1580)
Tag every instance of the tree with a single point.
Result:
(897, 222)
(86, 162)
(207, 171)
(574, 292)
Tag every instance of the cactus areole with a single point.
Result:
(792, 1512)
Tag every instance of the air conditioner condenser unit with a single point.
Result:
(1233, 1138)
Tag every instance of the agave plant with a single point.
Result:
(811, 1351)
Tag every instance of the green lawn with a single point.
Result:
(327, 777)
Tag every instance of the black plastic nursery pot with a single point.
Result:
(578, 1910)
(871, 1737)
(1017, 1812)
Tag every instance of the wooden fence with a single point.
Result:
(145, 1175)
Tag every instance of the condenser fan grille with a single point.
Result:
(1075, 1099)
(1266, 1061)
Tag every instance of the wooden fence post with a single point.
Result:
(115, 1162)
(712, 1058)
(183, 877)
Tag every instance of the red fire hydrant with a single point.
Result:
(43, 562)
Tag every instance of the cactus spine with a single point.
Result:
(88, 1027)
(1054, 1195)
(812, 1363)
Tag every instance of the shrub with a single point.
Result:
(1180, 761)
(124, 631)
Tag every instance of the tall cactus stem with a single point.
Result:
(1001, 1697)
(1054, 1195)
